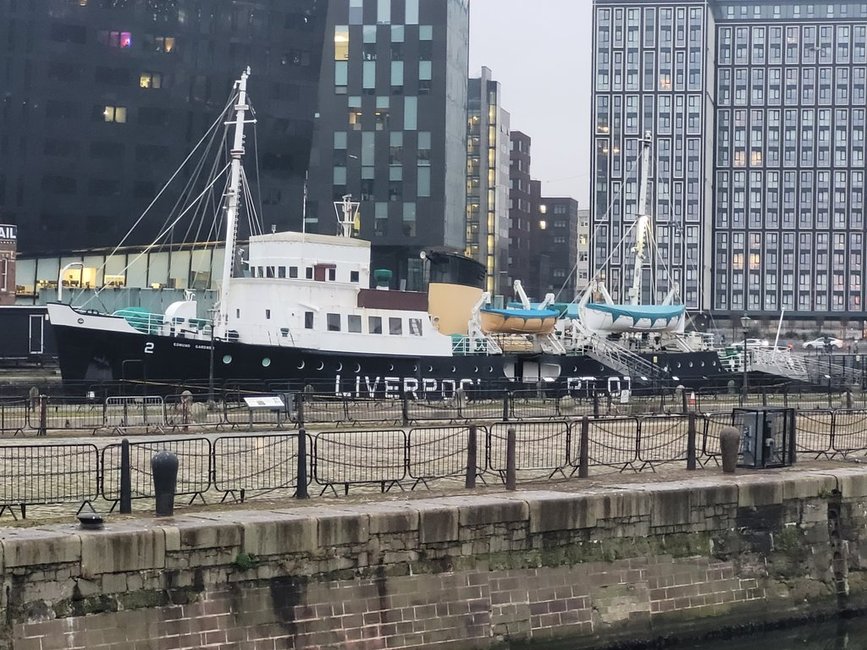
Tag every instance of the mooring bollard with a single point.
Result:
(690, 442)
(164, 465)
(43, 415)
(125, 479)
(584, 449)
(511, 470)
(301, 485)
(472, 457)
(729, 441)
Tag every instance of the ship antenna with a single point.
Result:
(643, 222)
(233, 194)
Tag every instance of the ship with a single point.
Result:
(304, 309)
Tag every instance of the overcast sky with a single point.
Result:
(540, 52)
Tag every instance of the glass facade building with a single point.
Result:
(759, 107)
(103, 99)
(488, 166)
(391, 127)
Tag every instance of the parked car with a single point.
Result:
(751, 343)
(822, 342)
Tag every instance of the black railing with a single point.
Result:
(240, 466)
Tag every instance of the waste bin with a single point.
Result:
(767, 437)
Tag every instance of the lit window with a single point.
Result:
(115, 114)
(150, 80)
(341, 43)
(122, 40)
(164, 44)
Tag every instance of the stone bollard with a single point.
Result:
(165, 472)
(729, 442)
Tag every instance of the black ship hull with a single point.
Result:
(170, 363)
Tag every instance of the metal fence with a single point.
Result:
(237, 466)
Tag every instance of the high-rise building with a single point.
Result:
(788, 229)
(556, 248)
(103, 99)
(767, 214)
(653, 76)
(582, 270)
(488, 161)
(391, 130)
(520, 210)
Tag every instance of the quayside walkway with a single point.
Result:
(599, 561)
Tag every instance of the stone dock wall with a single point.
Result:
(596, 567)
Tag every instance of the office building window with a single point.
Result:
(115, 114)
(150, 80)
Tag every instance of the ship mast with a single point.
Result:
(233, 195)
(642, 224)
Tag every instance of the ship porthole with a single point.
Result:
(81, 321)
(690, 364)
(227, 359)
(321, 365)
(415, 368)
(490, 369)
(301, 366)
(678, 364)
(476, 370)
(390, 367)
(430, 368)
(266, 362)
(454, 370)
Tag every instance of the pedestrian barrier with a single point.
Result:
(47, 474)
(239, 466)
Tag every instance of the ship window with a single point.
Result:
(308, 320)
(353, 323)
(237, 313)
(284, 332)
(269, 271)
(267, 314)
(374, 325)
(261, 272)
(293, 271)
(415, 326)
(281, 271)
(227, 359)
(353, 276)
(332, 274)
(333, 322)
(395, 326)
(308, 273)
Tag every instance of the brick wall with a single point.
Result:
(458, 572)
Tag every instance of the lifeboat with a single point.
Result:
(517, 321)
(603, 317)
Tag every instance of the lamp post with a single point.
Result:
(60, 278)
(745, 325)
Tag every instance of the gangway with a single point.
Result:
(615, 356)
(801, 367)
